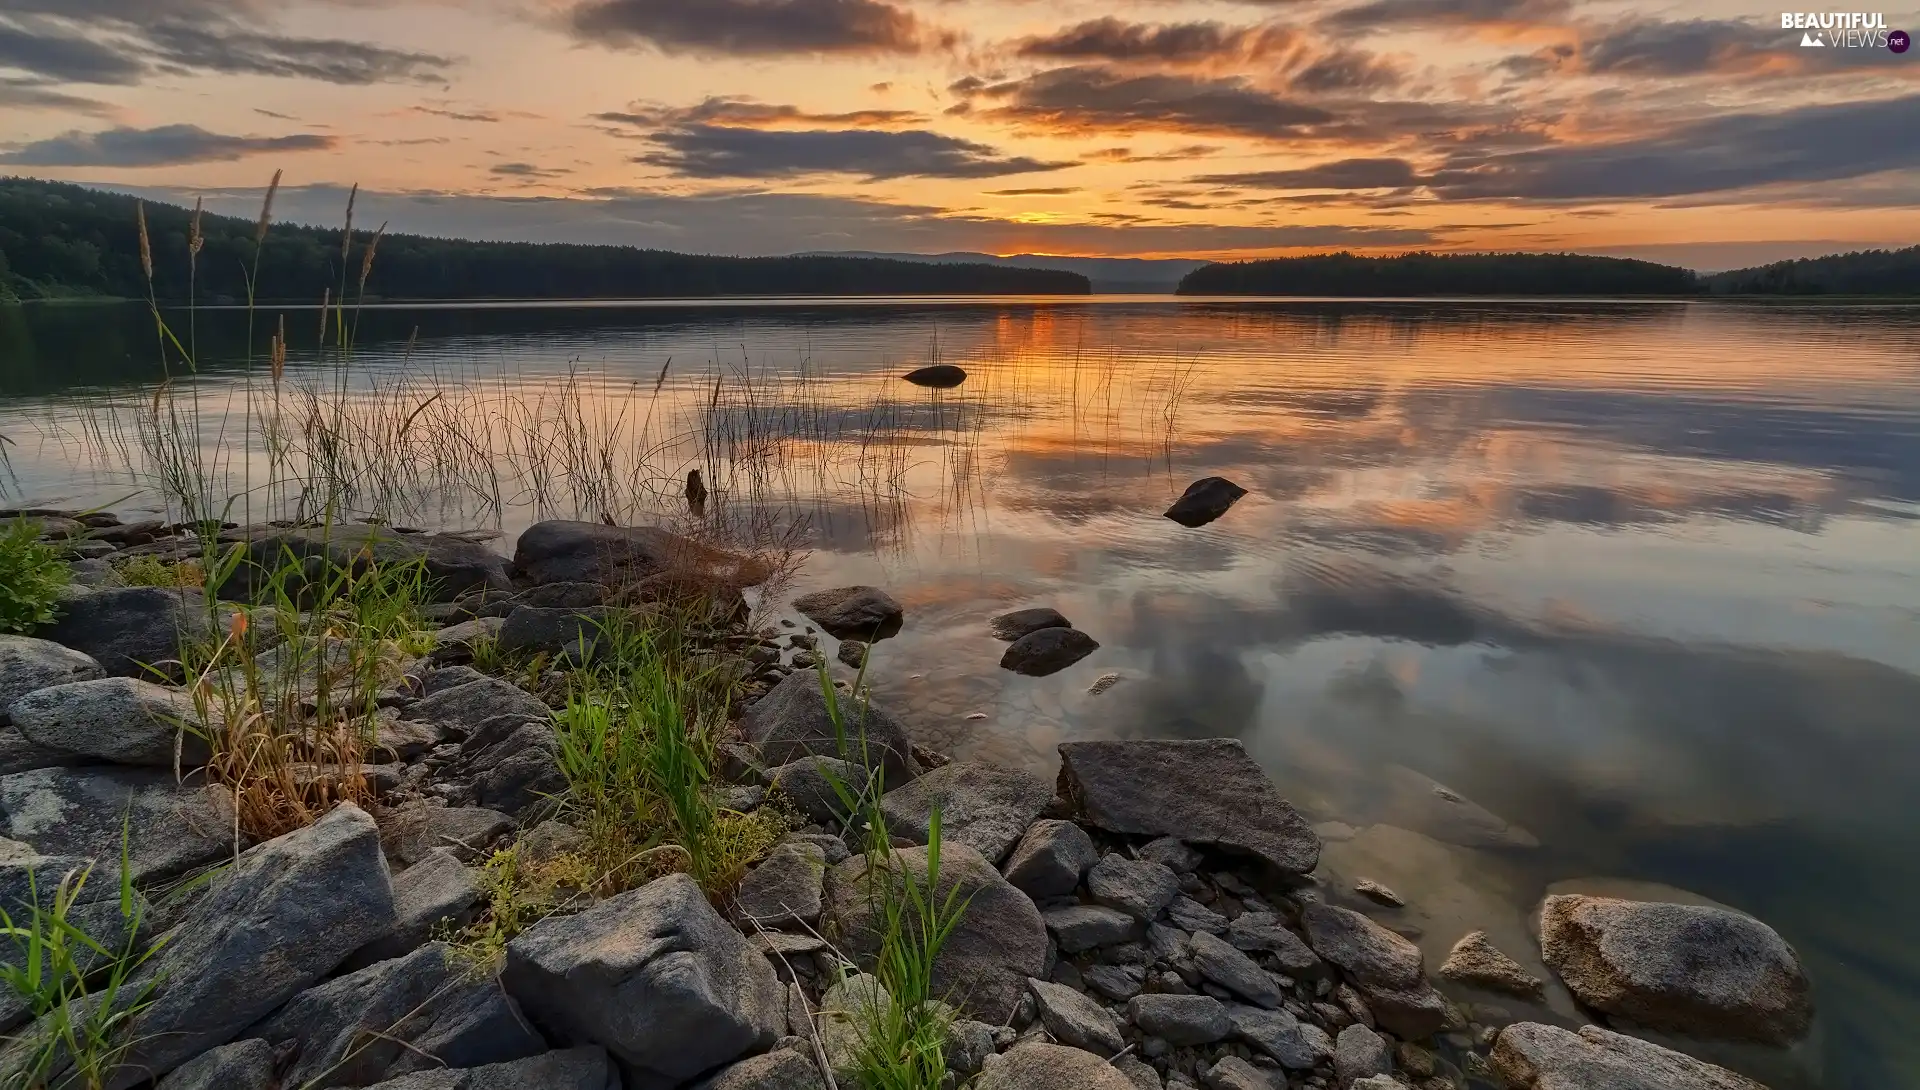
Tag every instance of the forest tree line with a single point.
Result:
(59, 240)
(1346, 274)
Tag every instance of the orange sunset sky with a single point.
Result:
(1698, 133)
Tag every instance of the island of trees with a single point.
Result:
(59, 240)
(1346, 274)
(1863, 272)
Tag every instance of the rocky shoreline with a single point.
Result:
(1151, 919)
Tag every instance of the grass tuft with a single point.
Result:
(32, 576)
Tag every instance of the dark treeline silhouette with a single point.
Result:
(1864, 272)
(1441, 274)
(66, 240)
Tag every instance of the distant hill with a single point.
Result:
(1863, 272)
(1117, 275)
(66, 240)
(1347, 274)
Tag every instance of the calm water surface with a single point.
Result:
(1638, 578)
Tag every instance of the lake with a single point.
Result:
(1640, 578)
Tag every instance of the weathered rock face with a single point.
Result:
(19, 755)
(1205, 792)
(1236, 972)
(118, 719)
(1299, 1046)
(985, 807)
(1022, 622)
(1234, 1073)
(1050, 1067)
(782, 1070)
(814, 786)
(998, 945)
(1048, 651)
(864, 613)
(413, 1013)
(572, 1069)
(243, 1065)
(785, 888)
(413, 831)
(127, 629)
(1690, 969)
(1079, 928)
(1050, 859)
(27, 664)
(271, 926)
(512, 765)
(656, 976)
(452, 565)
(458, 709)
(1181, 1019)
(436, 890)
(792, 721)
(1359, 1053)
(1075, 1020)
(1388, 970)
(1263, 931)
(1204, 501)
(1530, 1056)
(613, 556)
(79, 812)
(569, 634)
(1136, 887)
(1476, 962)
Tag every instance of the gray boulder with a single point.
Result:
(168, 829)
(452, 565)
(1118, 983)
(459, 709)
(1226, 966)
(1078, 928)
(1050, 859)
(792, 721)
(986, 807)
(1172, 853)
(1050, 1067)
(866, 613)
(1188, 914)
(1360, 1053)
(271, 926)
(781, 1070)
(1138, 1072)
(413, 1013)
(570, 634)
(27, 664)
(29, 880)
(1048, 651)
(1299, 1046)
(612, 556)
(436, 891)
(1262, 932)
(785, 889)
(1204, 501)
(654, 975)
(1477, 963)
(1138, 888)
(413, 831)
(999, 943)
(1530, 1056)
(1387, 969)
(1707, 972)
(1023, 622)
(573, 1069)
(243, 1065)
(815, 784)
(1234, 1073)
(118, 719)
(1206, 792)
(1075, 1020)
(512, 764)
(853, 653)
(19, 755)
(127, 629)
(848, 1010)
(1180, 1020)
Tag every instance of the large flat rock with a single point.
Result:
(1530, 1056)
(27, 664)
(451, 564)
(132, 631)
(560, 551)
(168, 829)
(792, 721)
(1206, 792)
(122, 720)
(986, 807)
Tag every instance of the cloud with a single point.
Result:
(1128, 155)
(1091, 98)
(753, 27)
(756, 222)
(1341, 174)
(328, 60)
(745, 112)
(1394, 14)
(718, 151)
(50, 51)
(1112, 39)
(487, 117)
(1050, 191)
(30, 94)
(527, 170)
(167, 145)
(1822, 143)
(1661, 49)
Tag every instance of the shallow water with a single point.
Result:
(1639, 578)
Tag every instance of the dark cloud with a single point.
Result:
(225, 49)
(487, 117)
(164, 146)
(1128, 155)
(32, 94)
(1341, 174)
(753, 27)
(1054, 191)
(1346, 70)
(1113, 39)
(717, 151)
(1089, 97)
(1731, 152)
(748, 113)
(527, 170)
(1659, 49)
(51, 51)
(1392, 14)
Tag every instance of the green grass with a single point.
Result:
(152, 571)
(83, 995)
(32, 575)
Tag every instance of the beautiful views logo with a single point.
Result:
(1844, 30)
